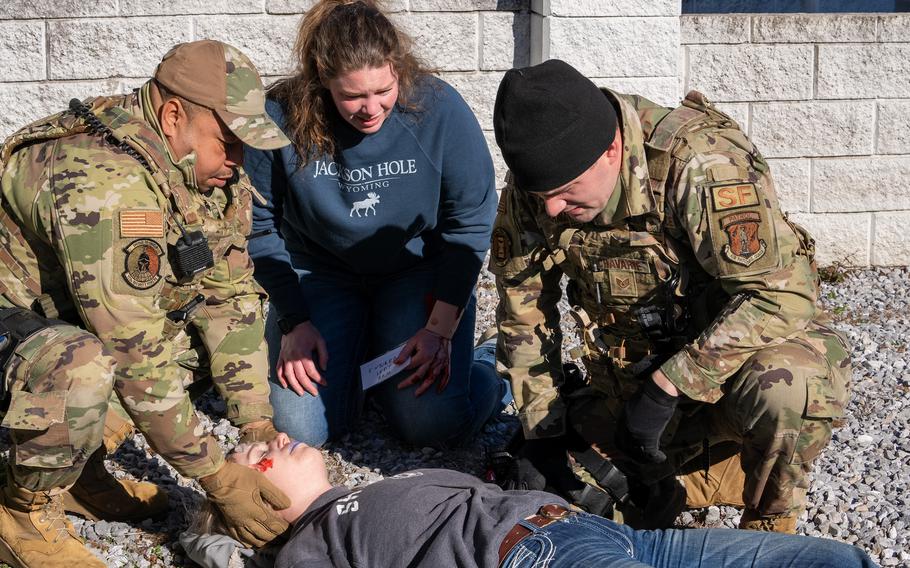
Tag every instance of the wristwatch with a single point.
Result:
(289, 322)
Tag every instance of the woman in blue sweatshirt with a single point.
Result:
(374, 228)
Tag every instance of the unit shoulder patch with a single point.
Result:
(743, 243)
(501, 246)
(142, 263)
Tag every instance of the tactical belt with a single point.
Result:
(546, 515)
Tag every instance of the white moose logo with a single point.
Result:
(367, 205)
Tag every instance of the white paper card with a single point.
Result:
(381, 368)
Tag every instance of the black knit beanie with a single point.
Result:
(552, 123)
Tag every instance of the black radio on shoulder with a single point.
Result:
(192, 255)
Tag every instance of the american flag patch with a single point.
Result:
(141, 223)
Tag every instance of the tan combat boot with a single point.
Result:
(722, 484)
(35, 533)
(751, 520)
(98, 495)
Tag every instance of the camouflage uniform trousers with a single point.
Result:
(63, 404)
(60, 381)
(780, 407)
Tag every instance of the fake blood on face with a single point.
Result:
(263, 465)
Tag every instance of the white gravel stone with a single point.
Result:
(859, 490)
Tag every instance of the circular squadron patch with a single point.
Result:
(142, 264)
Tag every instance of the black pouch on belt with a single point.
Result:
(16, 324)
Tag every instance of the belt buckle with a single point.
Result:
(554, 512)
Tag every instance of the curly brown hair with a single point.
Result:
(337, 37)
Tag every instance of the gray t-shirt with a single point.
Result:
(427, 517)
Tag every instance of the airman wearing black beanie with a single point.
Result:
(671, 236)
(552, 123)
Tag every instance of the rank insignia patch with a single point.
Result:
(142, 265)
(743, 245)
(501, 246)
(622, 283)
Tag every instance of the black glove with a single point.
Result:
(643, 422)
(539, 464)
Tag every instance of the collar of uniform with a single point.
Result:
(186, 166)
(636, 197)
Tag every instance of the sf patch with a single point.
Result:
(733, 196)
(501, 246)
(142, 263)
(743, 243)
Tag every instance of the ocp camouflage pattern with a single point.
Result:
(697, 233)
(91, 228)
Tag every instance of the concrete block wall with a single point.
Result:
(53, 50)
(826, 97)
(629, 46)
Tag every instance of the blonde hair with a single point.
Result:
(337, 37)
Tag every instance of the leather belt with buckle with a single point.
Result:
(546, 515)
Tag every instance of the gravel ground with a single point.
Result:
(859, 490)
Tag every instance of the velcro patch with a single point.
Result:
(743, 244)
(631, 264)
(142, 265)
(501, 246)
(141, 223)
(733, 196)
(622, 283)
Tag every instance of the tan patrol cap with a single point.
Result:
(218, 76)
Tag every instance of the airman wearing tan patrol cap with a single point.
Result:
(123, 273)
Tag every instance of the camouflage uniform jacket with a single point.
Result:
(697, 232)
(89, 231)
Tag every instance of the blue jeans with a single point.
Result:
(588, 540)
(362, 317)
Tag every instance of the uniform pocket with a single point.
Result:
(823, 399)
(37, 422)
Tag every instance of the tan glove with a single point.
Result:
(247, 501)
(261, 431)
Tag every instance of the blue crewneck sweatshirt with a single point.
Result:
(421, 188)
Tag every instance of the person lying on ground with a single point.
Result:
(439, 517)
